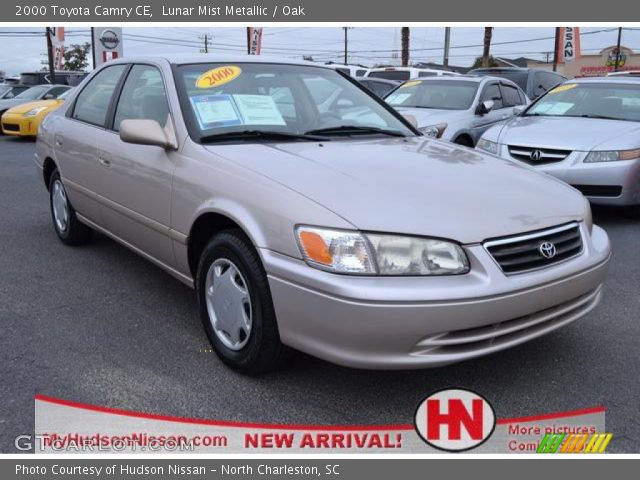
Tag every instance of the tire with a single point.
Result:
(65, 222)
(233, 294)
(464, 141)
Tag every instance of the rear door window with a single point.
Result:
(92, 104)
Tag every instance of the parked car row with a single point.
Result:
(309, 214)
(21, 113)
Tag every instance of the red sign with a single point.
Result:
(455, 420)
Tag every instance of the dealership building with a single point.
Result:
(594, 65)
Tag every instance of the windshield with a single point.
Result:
(600, 100)
(391, 74)
(441, 94)
(287, 99)
(4, 89)
(33, 93)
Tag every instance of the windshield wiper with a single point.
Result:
(355, 130)
(259, 135)
(603, 117)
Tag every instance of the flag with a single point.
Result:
(568, 44)
(255, 40)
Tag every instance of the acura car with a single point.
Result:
(585, 132)
(304, 226)
(459, 109)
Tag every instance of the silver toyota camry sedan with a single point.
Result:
(585, 132)
(307, 214)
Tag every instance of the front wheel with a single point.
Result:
(236, 307)
(67, 226)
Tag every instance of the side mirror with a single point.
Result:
(518, 109)
(49, 96)
(485, 107)
(411, 119)
(146, 132)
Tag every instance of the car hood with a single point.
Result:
(415, 186)
(568, 133)
(432, 116)
(12, 102)
(25, 107)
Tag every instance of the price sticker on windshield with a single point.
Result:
(218, 76)
(564, 88)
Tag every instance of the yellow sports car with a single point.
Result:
(25, 119)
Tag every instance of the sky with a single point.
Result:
(22, 51)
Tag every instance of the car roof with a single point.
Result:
(629, 79)
(465, 78)
(378, 80)
(501, 69)
(219, 58)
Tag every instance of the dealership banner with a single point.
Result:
(64, 426)
(258, 12)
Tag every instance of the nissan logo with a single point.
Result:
(109, 39)
(547, 250)
(535, 155)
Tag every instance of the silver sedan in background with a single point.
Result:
(459, 109)
(585, 132)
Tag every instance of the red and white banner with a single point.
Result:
(255, 40)
(57, 46)
(568, 44)
(72, 427)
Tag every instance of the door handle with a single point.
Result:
(104, 159)
(57, 138)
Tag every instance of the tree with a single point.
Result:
(76, 57)
(479, 63)
(488, 32)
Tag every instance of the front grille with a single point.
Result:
(451, 346)
(11, 127)
(537, 156)
(526, 252)
(599, 190)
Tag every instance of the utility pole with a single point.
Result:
(52, 70)
(205, 38)
(405, 46)
(447, 39)
(618, 52)
(346, 42)
(556, 50)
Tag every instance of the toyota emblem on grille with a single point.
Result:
(535, 155)
(547, 250)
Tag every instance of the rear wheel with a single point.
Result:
(67, 226)
(236, 307)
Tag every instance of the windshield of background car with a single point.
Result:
(440, 94)
(33, 93)
(609, 100)
(391, 74)
(289, 99)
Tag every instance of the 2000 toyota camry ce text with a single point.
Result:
(309, 215)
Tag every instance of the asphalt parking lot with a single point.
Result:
(100, 325)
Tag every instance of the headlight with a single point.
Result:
(487, 146)
(34, 111)
(612, 156)
(341, 251)
(434, 131)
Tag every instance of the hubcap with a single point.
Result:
(60, 206)
(228, 304)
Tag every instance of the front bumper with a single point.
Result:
(19, 125)
(616, 183)
(413, 322)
